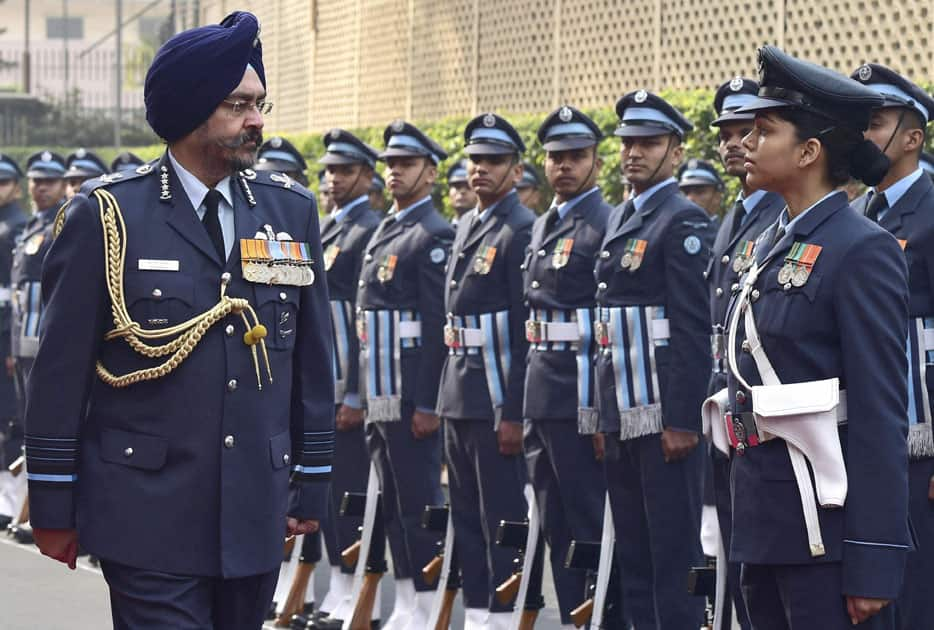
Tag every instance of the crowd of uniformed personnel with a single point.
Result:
(571, 353)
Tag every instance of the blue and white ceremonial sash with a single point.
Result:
(28, 312)
(542, 333)
(486, 334)
(51, 460)
(920, 354)
(383, 335)
(631, 334)
(341, 330)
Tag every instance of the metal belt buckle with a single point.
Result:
(533, 331)
(736, 432)
(601, 333)
(716, 346)
(452, 337)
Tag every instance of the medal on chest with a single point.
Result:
(266, 261)
(330, 255)
(483, 261)
(798, 265)
(387, 268)
(744, 256)
(562, 253)
(635, 252)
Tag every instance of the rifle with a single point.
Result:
(295, 601)
(584, 555)
(368, 574)
(702, 582)
(523, 536)
(444, 565)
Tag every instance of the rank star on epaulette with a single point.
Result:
(283, 179)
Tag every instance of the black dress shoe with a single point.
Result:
(326, 623)
(308, 609)
(5, 521)
(23, 535)
(271, 613)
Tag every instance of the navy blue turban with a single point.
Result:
(197, 69)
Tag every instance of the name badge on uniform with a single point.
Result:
(743, 257)
(34, 243)
(330, 255)
(635, 252)
(562, 253)
(798, 265)
(153, 264)
(387, 268)
(267, 261)
(483, 261)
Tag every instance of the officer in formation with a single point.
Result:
(927, 163)
(81, 166)
(185, 318)
(483, 378)
(12, 220)
(529, 186)
(377, 193)
(400, 321)
(349, 163)
(325, 202)
(700, 182)
(279, 155)
(463, 198)
(560, 290)
(126, 161)
(732, 254)
(903, 204)
(826, 296)
(651, 325)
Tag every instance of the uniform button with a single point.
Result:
(541, 253)
(361, 283)
(225, 277)
(128, 451)
(734, 287)
(231, 385)
(604, 254)
(725, 259)
(745, 346)
(535, 284)
(755, 294)
(286, 459)
(229, 330)
(741, 397)
(601, 286)
(229, 441)
(706, 275)
(453, 284)
(368, 258)
(282, 296)
(157, 293)
(719, 292)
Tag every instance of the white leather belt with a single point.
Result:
(542, 332)
(410, 330)
(457, 337)
(928, 341)
(660, 329)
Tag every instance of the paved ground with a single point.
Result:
(36, 592)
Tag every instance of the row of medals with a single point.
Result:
(795, 274)
(292, 274)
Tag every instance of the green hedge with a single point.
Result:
(697, 106)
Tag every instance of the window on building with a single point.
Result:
(64, 28)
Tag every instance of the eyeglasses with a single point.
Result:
(239, 108)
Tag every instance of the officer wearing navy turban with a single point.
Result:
(12, 220)
(190, 357)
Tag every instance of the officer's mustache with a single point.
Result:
(254, 136)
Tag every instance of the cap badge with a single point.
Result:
(398, 125)
(565, 114)
(692, 163)
(46, 156)
(275, 142)
(736, 84)
(864, 73)
(489, 120)
(335, 134)
(81, 153)
(640, 96)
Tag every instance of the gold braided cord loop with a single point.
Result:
(187, 334)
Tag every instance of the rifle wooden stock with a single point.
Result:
(581, 615)
(506, 592)
(17, 466)
(295, 602)
(350, 555)
(432, 570)
(527, 620)
(447, 607)
(289, 547)
(363, 613)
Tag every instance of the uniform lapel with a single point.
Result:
(247, 222)
(181, 216)
(922, 189)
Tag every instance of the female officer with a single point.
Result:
(825, 304)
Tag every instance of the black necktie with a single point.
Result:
(779, 233)
(551, 219)
(739, 212)
(877, 204)
(629, 209)
(212, 223)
